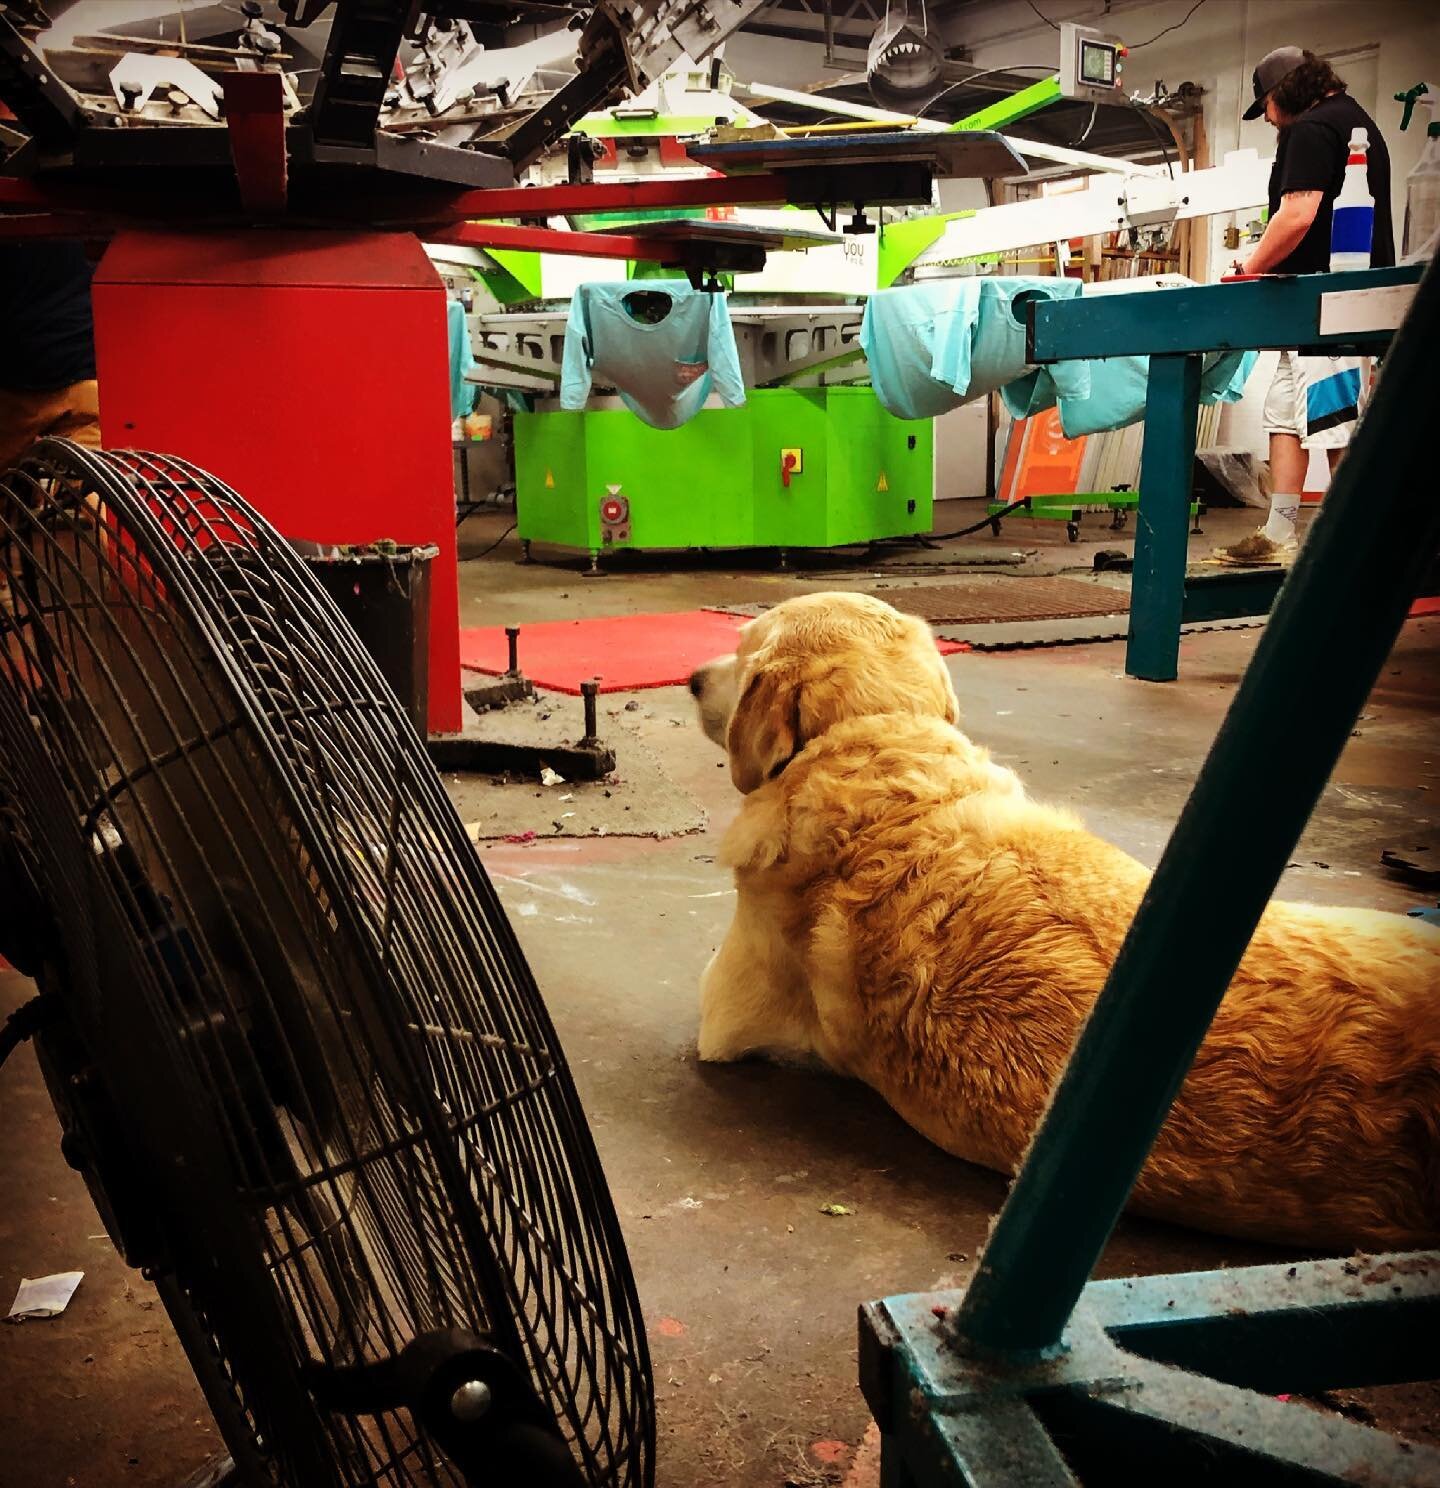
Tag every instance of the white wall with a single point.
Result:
(960, 451)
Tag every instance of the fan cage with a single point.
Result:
(281, 948)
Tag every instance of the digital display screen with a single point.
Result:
(1097, 63)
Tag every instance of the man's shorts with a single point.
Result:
(70, 413)
(1319, 399)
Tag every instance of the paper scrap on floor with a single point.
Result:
(44, 1297)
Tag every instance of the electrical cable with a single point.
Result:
(866, 550)
(1153, 125)
(851, 79)
(984, 522)
(1053, 26)
(984, 72)
(485, 553)
(1131, 46)
(1135, 46)
(22, 1024)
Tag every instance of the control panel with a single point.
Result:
(1091, 64)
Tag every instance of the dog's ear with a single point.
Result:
(932, 694)
(949, 701)
(764, 734)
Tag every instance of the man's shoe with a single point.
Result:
(1255, 551)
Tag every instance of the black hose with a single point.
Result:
(22, 1023)
(983, 522)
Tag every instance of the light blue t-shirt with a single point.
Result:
(934, 346)
(663, 365)
(462, 359)
(1117, 389)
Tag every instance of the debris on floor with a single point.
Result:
(1415, 866)
(44, 1296)
(642, 802)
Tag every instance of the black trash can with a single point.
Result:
(383, 590)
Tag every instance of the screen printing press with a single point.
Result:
(815, 465)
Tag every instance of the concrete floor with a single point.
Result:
(719, 1174)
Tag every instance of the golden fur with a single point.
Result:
(907, 914)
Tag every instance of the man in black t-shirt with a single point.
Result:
(1313, 402)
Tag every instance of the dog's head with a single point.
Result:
(809, 664)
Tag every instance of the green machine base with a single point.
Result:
(604, 480)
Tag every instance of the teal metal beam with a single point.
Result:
(1163, 1423)
(1227, 594)
(1162, 522)
(1146, 1388)
(1256, 314)
(1324, 1325)
(1332, 628)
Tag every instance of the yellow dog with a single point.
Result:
(909, 915)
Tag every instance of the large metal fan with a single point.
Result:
(295, 1048)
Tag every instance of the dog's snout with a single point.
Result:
(711, 685)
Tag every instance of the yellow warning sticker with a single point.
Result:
(549, 480)
(882, 484)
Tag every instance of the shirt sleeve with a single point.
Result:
(462, 360)
(579, 354)
(723, 354)
(1311, 158)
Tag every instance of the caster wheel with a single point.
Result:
(995, 526)
(1072, 531)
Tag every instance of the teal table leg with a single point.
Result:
(1157, 590)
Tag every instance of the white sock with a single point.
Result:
(1280, 525)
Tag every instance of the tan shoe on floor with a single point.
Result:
(1255, 551)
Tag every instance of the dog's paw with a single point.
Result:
(710, 1049)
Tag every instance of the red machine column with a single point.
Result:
(309, 370)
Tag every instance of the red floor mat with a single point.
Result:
(626, 652)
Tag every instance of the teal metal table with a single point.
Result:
(1031, 1378)
(1175, 329)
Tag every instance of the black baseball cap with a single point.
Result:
(1274, 67)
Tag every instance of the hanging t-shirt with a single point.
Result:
(932, 347)
(1115, 394)
(1311, 156)
(462, 360)
(663, 347)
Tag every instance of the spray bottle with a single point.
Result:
(1422, 185)
(1352, 226)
